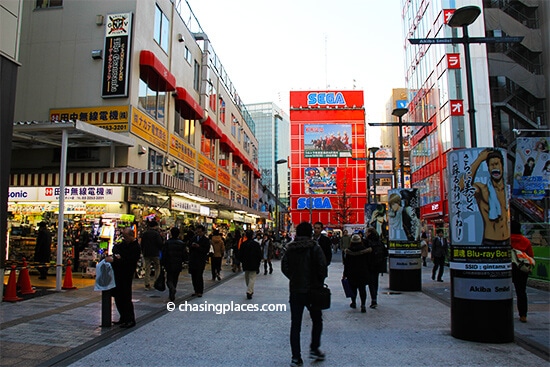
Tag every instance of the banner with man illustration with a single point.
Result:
(532, 168)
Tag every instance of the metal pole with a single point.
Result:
(374, 176)
(401, 158)
(61, 204)
(276, 201)
(469, 86)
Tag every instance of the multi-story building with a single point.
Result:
(146, 105)
(511, 93)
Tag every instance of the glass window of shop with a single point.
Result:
(245, 179)
(207, 147)
(43, 4)
(212, 95)
(246, 142)
(188, 55)
(223, 157)
(234, 125)
(149, 99)
(156, 160)
(429, 189)
(162, 29)
(185, 173)
(223, 191)
(222, 110)
(183, 127)
(235, 169)
(197, 76)
(206, 183)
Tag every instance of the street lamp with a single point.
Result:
(399, 112)
(462, 18)
(280, 161)
(373, 150)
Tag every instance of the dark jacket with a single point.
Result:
(297, 265)
(356, 264)
(151, 243)
(198, 254)
(125, 267)
(378, 257)
(42, 251)
(326, 246)
(250, 255)
(439, 248)
(174, 253)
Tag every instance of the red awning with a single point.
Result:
(238, 156)
(228, 143)
(189, 108)
(247, 165)
(257, 173)
(213, 131)
(156, 74)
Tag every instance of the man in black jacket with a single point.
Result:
(439, 251)
(151, 244)
(124, 261)
(198, 251)
(323, 241)
(174, 253)
(251, 257)
(305, 266)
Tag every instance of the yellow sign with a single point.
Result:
(224, 177)
(112, 118)
(183, 151)
(148, 129)
(207, 166)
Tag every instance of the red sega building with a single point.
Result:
(327, 157)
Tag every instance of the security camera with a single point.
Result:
(180, 37)
(516, 131)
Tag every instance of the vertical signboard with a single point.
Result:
(116, 62)
(481, 292)
(532, 168)
(404, 240)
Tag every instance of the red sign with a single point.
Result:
(447, 14)
(453, 61)
(457, 107)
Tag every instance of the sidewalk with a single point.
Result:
(408, 328)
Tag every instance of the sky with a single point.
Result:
(270, 48)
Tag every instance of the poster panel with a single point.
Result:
(376, 217)
(532, 168)
(320, 180)
(327, 140)
(404, 215)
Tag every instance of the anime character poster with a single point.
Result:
(404, 215)
(320, 180)
(376, 217)
(327, 140)
(532, 168)
(478, 200)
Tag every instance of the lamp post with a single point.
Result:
(280, 161)
(462, 18)
(373, 150)
(399, 112)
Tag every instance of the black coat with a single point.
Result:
(151, 243)
(125, 266)
(297, 265)
(250, 255)
(198, 254)
(326, 246)
(42, 251)
(439, 247)
(356, 267)
(174, 253)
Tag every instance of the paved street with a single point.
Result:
(408, 328)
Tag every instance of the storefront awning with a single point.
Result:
(238, 156)
(228, 143)
(257, 173)
(157, 75)
(189, 108)
(213, 131)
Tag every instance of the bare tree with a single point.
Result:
(343, 213)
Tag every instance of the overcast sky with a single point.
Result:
(269, 48)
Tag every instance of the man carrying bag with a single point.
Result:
(305, 266)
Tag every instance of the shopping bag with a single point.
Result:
(319, 297)
(160, 283)
(104, 276)
(347, 288)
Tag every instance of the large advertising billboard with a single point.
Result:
(532, 168)
(327, 140)
(320, 180)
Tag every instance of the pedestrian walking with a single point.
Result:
(124, 262)
(151, 243)
(268, 250)
(174, 253)
(198, 251)
(356, 270)
(305, 266)
(376, 262)
(251, 257)
(323, 241)
(424, 248)
(345, 243)
(42, 250)
(519, 278)
(439, 251)
(219, 249)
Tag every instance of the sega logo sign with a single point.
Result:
(326, 98)
(316, 203)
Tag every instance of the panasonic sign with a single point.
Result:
(22, 194)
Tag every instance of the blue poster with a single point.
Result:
(532, 168)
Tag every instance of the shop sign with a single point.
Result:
(23, 194)
(148, 129)
(182, 150)
(185, 206)
(82, 193)
(314, 203)
(204, 211)
(214, 213)
(112, 118)
(238, 217)
(116, 62)
(325, 98)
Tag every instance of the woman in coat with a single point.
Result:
(219, 249)
(356, 271)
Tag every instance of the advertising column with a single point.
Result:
(481, 285)
(404, 240)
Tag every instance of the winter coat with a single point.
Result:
(326, 246)
(356, 267)
(124, 267)
(42, 251)
(218, 245)
(174, 253)
(198, 254)
(297, 265)
(151, 243)
(250, 255)
(439, 247)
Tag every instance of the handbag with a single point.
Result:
(319, 296)
(160, 283)
(523, 261)
(347, 288)
(104, 276)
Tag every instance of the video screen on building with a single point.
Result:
(327, 140)
(320, 180)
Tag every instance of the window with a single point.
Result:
(151, 101)
(162, 29)
(188, 56)
(246, 142)
(223, 158)
(234, 125)
(197, 76)
(185, 173)
(43, 4)
(222, 110)
(223, 191)
(183, 127)
(206, 183)
(155, 160)
(207, 147)
(212, 96)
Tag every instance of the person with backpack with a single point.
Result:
(519, 278)
(376, 262)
